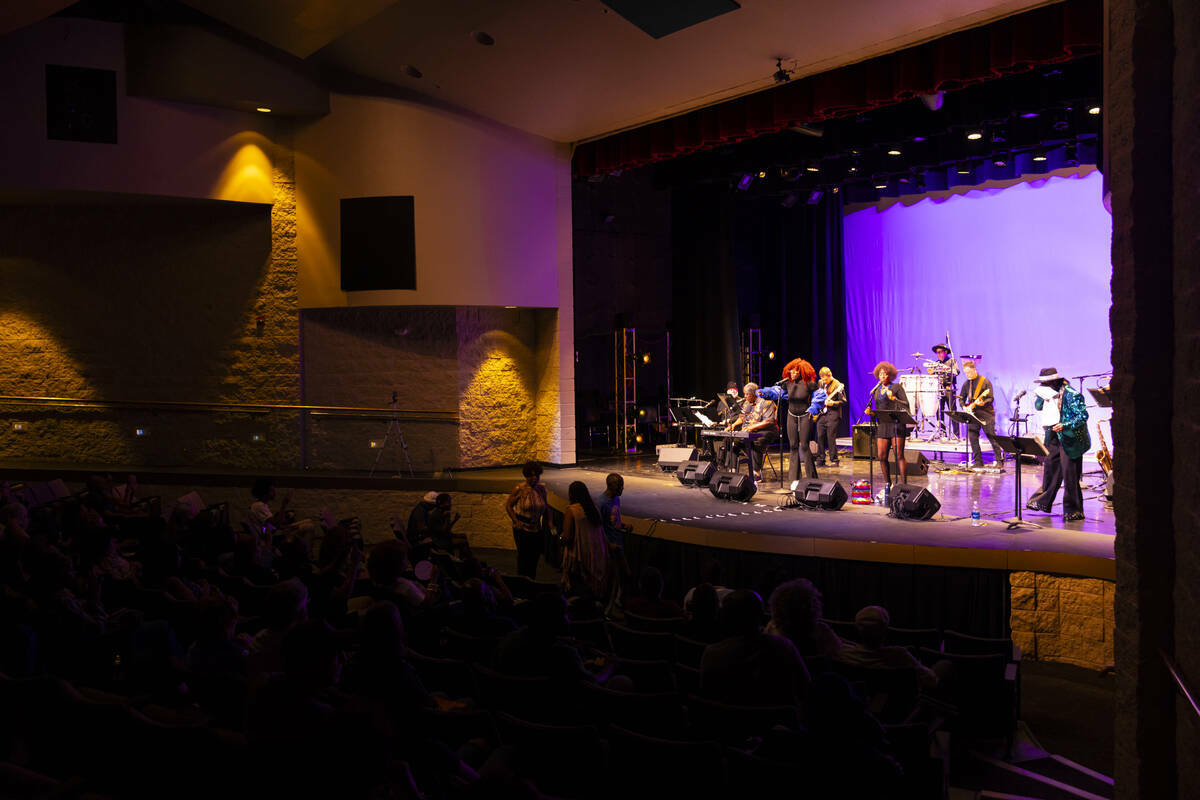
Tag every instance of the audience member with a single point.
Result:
(528, 509)
(710, 573)
(796, 615)
(650, 602)
(703, 610)
(286, 606)
(751, 667)
(218, 650)
(872, 624)
(614, 532)
(417, 530)
(387, 566)
(585, 554)
(441, 526)
(477, 615)
(539, 648)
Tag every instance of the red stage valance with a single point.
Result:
(1043, 36)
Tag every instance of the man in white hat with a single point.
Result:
(1064, 417)
(417, 532)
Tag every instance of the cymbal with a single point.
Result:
(917, 355)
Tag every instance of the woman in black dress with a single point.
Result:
(890, 396)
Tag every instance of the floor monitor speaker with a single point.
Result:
(913, 502)
(670, 457)
(695, 473)
(821, 494)
(732, 486)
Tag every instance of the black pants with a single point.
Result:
(756, 448)
(1060, 470)
(529, 549)
(827, 431)
(989, 427)
(799, 431)
(947, 401)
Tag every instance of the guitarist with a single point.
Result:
(978, 398)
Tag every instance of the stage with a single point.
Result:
(659, 506)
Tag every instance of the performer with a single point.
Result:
(890, 396)
(758, 414)
(979, 399)
(800, 383)
(1064, 415)
(946, 369)
(729, 405)
(830, 418)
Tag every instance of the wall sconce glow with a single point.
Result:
(19, 427)
(141, 432)
(247, 176)
(263, 110)
(510, 306)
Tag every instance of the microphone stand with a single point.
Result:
(870, 442)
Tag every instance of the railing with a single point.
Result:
(223, 435)
(1180, 683)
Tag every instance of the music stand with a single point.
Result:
(1020, 446)
(966, 418)
(1102, 397)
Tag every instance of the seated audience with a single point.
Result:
(252, 557)
(417, 530)
(872, 624)
(796, 615)
(477, 615)
(538, 648)
(286, 607)
(585, 552)
(703, 610)
(710, 574)
(650, 602)
(751, 667)
(441, 521)
(387, 566)
(218, 650)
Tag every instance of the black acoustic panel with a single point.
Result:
(913, 502)
(695, 473)
(378, 244)
(821, 494)
(732, 486)
(669, 458)
(660, 18)
(81, 104)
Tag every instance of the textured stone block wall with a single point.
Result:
(150, 301)
(1059, 618)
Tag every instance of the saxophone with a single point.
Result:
(1104, 457)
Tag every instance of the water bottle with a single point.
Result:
(975, 523)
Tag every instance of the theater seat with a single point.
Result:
(658, 767)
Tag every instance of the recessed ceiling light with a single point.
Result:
(813, 168)
(263, 109)
(1094, 110)
(893, 152)
(881, 186)
(762, 174)
(974, 135)
(1040, 157)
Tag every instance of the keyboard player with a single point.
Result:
(758, 415)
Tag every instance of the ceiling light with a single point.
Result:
(263, 109)
(762, 174)
(781, 75)
(881, 186)
(893, 152)
(835, 190)
(813, 168)
(918, 138)
(963, 169)
(974, 136)
(1000, 161)
(852, 169)
(1039, 156)
(1094, 110)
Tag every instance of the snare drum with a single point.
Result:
(922, 391)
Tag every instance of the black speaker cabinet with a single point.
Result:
(913, 502)
(732, 486)
(862, 441)
(670, 457)
(695, 473)
(821, 494)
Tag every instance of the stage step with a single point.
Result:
(1048, 778)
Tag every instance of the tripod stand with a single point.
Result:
(393, 429)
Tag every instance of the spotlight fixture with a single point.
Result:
(1094, 110)
(1039, 155)
(638, 438)
(975, 136)
(641, 412)
(762, 174)
(771, 356)
(812, 167)
(963, 169)
(645, 360)
(814, 197)
(263, 110)
(781, 75)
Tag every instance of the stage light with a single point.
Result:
(1040, 155)
(963, 169)
(1094, 110)
(1029, 115)
(641, 412)
(645, 360)
(812, 167)
(771, 356)
(263, 109)
(881, 186)
(762, 174)
(835, 190)
(1000, 161)
(893, 152)
(745, 181)
(975, 136)
(638, 438)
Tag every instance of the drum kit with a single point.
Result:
(924, 384)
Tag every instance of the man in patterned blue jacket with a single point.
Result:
(1064, 416)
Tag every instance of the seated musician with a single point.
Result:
(758, 416)
(728, 406)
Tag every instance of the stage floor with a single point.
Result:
(662, 507)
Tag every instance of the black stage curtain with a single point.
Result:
(971, 601)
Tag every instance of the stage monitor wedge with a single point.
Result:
(695, 473)
(913, 502)
(378, 244)
(817, 493)
(732, 486)
(670, 456)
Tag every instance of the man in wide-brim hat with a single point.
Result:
(1066, 439)
(946, 369)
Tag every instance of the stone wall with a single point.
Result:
(1059, 618)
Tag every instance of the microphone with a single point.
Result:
(1020, 394)
(873, 388)
(780, 382)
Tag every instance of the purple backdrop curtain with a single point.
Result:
(1020, 275)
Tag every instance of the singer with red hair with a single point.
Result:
(800, 384)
